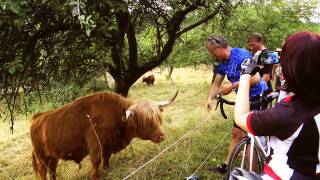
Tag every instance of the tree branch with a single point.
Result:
(204, 20)
(132, 41)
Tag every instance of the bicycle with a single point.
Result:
(239, 156)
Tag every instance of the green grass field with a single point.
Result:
(202, 133)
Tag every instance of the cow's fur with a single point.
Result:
(149, 79)
(67, 133)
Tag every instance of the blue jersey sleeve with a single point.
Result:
(221, 69)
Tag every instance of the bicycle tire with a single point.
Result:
(236, 156)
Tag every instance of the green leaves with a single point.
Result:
(14, 66)
(204, 3)
(87, 23)
(17, 7)
(15, 10)
(275, 20)
(13, 6)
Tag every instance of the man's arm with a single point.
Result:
(254, 80)
(242, 106)
(267, 72)
(213, 90)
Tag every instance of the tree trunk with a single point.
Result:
(123, 84)
(170, 70)
(122, 90)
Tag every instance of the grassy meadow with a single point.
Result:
(201, 136)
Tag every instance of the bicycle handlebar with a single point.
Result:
(221, 101)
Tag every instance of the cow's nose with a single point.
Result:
(161, 137)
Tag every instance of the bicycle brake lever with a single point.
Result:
(218, 102)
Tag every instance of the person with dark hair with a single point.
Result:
(229, 62)
(255, 44)
(280, 84)
(293, 124)
(278, 73)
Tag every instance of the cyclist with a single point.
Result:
(293, 124)
(278, 74)
(229, 62)
(255, 44)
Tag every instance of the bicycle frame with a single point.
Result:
(253, 139)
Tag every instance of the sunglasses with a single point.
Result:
(213, 41)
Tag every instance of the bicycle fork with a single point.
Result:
(251, 151)
(265, 152)
(251, 138)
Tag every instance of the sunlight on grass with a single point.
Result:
(205, 132)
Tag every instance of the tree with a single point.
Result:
(44, 42)
(163, 22)
(274, 19)
(48, 33)
(66, 40)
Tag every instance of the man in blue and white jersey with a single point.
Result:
(229, 65)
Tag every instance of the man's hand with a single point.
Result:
(209, 105)
(249, 66)
(226, 89)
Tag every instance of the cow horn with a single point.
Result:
(126, 116)
(165, 103)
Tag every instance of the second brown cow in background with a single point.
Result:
(149, 80)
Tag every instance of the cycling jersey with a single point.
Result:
(294, 129)
(232, 70)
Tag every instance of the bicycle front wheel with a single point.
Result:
(240, 157)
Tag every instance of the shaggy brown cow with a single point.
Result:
(99, 125)
(149, 79)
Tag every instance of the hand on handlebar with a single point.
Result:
(220, 102)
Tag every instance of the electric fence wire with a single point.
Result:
(168, 147)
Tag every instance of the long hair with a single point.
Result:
(148, 117)
(300, 61)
